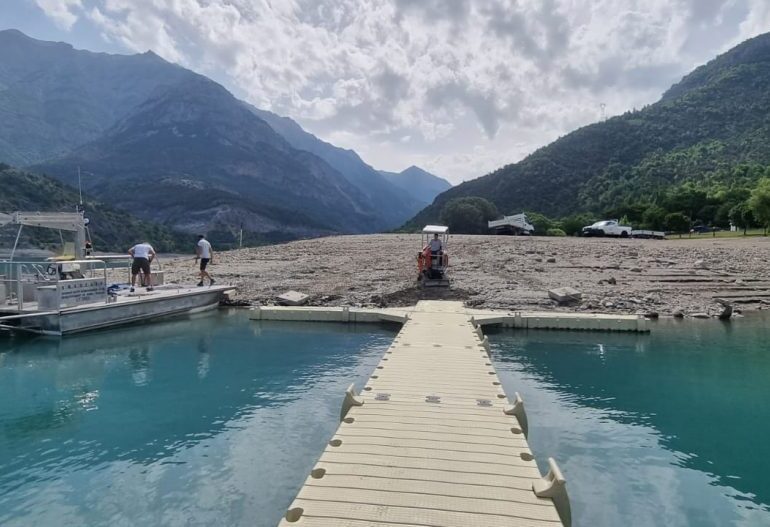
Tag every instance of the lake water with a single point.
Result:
(667, 429)
(211, 421)
(217, 420)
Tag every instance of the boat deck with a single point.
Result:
(123, 297)
(123, 308)
(432, 440)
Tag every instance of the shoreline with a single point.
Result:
(687, 276)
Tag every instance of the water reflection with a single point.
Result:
(176, 423)
(666, 428)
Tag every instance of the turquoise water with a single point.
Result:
(211, 421)
(666, 429)
(217, 420)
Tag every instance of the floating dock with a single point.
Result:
(482, 317)
(432, 439)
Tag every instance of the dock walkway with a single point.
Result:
(432, 440)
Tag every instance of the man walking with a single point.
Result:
(205, 253)
(143, 254)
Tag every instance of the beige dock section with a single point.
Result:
(432, 440)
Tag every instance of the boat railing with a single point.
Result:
(53, 285)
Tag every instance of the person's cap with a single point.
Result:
(200, 236)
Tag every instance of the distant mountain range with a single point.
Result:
(423, 185)
(712, 130)
(172, 146)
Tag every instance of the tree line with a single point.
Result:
(739, 197)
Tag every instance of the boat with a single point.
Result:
(65, 296)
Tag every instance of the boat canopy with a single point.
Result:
(435, 229)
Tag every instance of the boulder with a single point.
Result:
(565, 295)
(292, 298)
(727, 312)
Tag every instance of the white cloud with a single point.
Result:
(474, 84)
(62, 12)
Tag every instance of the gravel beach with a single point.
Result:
(692, 277)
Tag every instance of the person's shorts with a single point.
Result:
(140, 264)
(204, 263)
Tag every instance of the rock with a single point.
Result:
(726, 313)
(652, 315)
(678, 314)
(608, 303)
(635, 270)
(292, 298)
(551, 260)
(700, 264)
(700, 315)
(565, 295)
(611, 280)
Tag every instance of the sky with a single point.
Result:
(458, 87)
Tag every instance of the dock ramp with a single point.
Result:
(432, 440)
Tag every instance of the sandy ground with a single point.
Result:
(689, 276)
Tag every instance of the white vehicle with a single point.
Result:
(607, 228)
(516, 224)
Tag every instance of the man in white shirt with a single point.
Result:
(143, 254)
(206, 254)
(436, 247)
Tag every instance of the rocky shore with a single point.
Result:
(689, 277)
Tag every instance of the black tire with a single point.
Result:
(624, 234)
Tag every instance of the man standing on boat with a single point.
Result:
(206, 254)
(143, 254)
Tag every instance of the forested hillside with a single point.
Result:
(698, 152)
(110, 229)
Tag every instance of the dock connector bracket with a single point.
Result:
(517, 410)
(351, 399)
(554, 486)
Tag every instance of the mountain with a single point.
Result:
(701, 132)
(390, 201)
(110, 229)
(423, 185)
(173, 146)
(191, 157)
(54, 98)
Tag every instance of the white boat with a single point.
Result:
(76, 298)
(72, 295)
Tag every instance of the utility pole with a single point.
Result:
(80, 190)
(240, 237)
(603, 107)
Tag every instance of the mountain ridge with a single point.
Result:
(424, 185)
(63, 108)
(713, 120)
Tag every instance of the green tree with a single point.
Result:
(542, 223)
(654, 217)
(759, 203)
(574, 224)
(742, 217)
(468, 215)
(676, 222)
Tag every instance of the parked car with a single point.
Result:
(607, 228)
(700, 229)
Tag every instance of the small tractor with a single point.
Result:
(433, 258)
